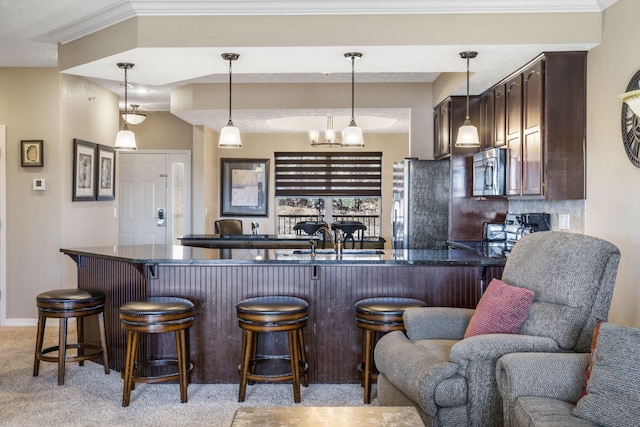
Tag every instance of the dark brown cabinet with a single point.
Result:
(532, 130)
(487, 118)
(499, 111)
(442, 129)
(545, 127)
(513, 127)
(448, 117)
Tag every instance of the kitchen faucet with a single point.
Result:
(338, 242)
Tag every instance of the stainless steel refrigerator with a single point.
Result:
(420, 216)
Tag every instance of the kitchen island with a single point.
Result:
(269, 241)
(216, 279)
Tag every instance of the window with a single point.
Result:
(328, 174)
(328, 186)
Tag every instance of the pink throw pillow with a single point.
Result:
(501, 310)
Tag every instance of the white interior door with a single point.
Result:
(143, 198)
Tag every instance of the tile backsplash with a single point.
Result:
(575, 210)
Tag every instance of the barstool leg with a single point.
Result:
(182, 364)
(62, 350)
(103, 342)
(295, 364)
(80, 337)
(247, 350)
(39, 342)
(368, 356)
(130, 360)
(303, 357)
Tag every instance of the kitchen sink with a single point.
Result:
(344, 252)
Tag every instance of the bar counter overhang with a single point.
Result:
(216, 279)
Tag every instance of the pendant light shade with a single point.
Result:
(125, 139)
(468, 133)
(352, 134)
(230, 135)
(134, 117)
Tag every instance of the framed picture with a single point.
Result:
(245, 187)
(106, 173)
(84, 175)
(31, 153)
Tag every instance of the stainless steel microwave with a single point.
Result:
(489, 172)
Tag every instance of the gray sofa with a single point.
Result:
(545, 389)
(451, 379)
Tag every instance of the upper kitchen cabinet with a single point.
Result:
(545, 122)
(448, 117)
(442, 129)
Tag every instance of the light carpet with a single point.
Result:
(91, 398)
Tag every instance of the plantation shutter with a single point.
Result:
(349, 174)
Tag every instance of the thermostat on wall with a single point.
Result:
(39, 184)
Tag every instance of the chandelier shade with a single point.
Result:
(328, 137)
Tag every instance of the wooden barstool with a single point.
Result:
(64, 304)
(156, 315)
(273, 314)
(379, 315)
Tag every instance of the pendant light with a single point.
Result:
(468, 133)
(125, 139)
(230, 135)
(352, 134)
(134, 117)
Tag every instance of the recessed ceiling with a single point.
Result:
(31, 29)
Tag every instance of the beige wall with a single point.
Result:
(41, 104)
(262, 146)
(30, 108)
(613, 204)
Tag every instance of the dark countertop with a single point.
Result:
(269, 237)
(165, 254)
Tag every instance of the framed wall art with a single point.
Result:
(31, 153)
(84, 174)
(245, 187)
(106, 173)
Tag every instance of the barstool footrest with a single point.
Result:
(156, 365)
(285, 376)
(77, 358)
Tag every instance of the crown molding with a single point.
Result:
(131, 8)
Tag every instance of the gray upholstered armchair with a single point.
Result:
(451, 379)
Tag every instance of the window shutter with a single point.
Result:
(349, 174)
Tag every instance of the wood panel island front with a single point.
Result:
(216, 279)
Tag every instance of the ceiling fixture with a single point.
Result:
(125, 139)
(352, 134)
(329, 138)
(468, 133)
(134, 117)
(230, 135)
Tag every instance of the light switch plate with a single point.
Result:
(39, 184)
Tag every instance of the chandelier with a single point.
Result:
(328, 137)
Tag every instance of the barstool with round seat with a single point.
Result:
(273, 314)
(152, 316)
(64, 304)
(379, 315)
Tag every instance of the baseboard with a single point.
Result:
(20, 322)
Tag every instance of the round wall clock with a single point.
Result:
(631, 125)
